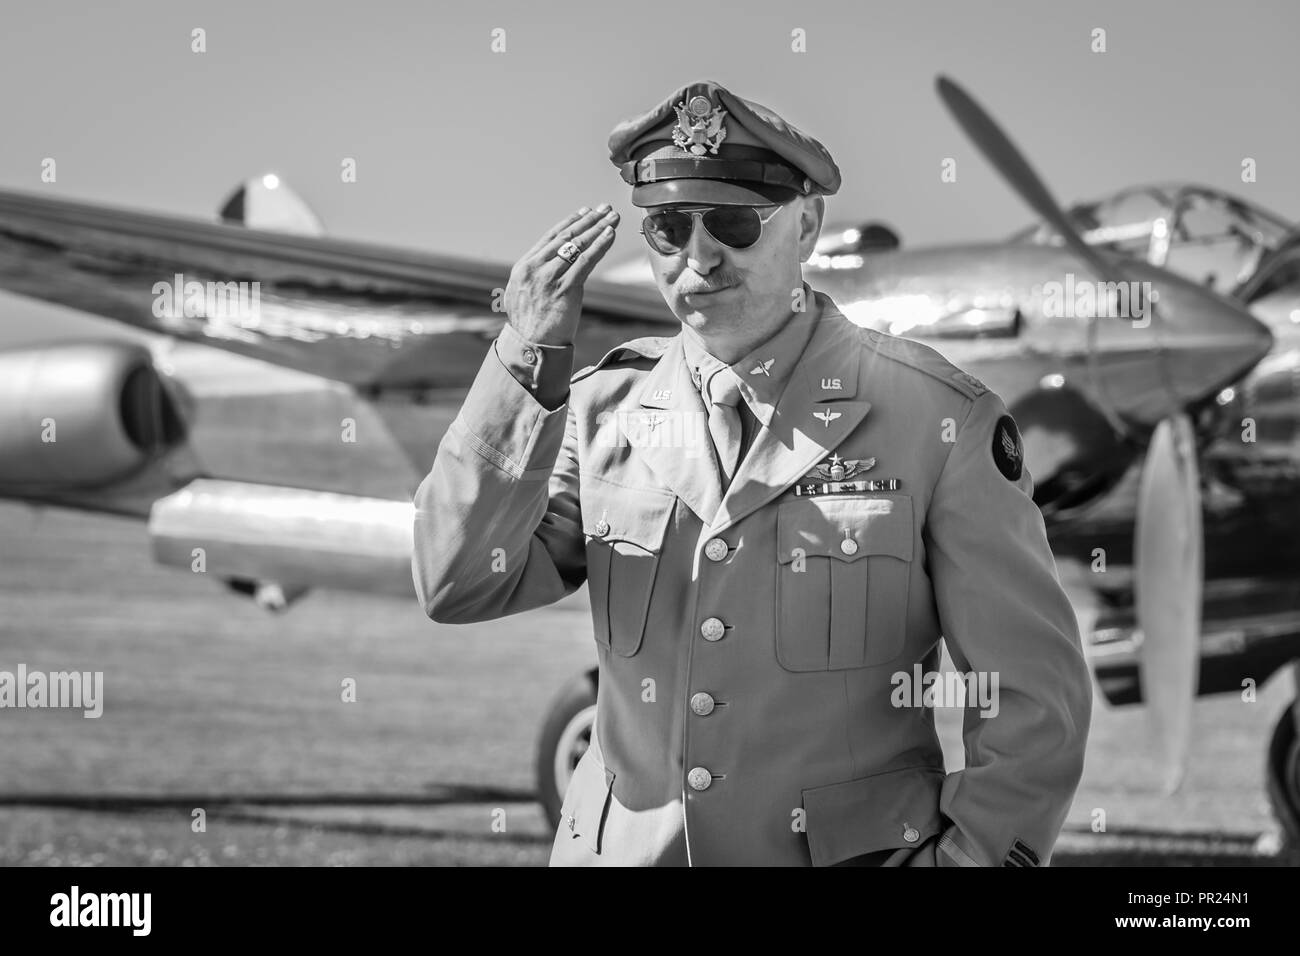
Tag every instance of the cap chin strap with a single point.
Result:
(638, 172)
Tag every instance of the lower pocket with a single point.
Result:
(895, 810)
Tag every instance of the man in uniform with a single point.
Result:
(778, 514)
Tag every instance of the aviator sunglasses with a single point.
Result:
(668, 231)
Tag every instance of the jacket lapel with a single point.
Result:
(816, 412)
(671, 432)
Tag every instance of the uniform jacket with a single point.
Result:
(751, 642)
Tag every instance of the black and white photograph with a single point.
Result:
(692, 434)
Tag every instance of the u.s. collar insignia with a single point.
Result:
(699, 126)
(836, 468)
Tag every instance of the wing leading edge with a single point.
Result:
(368, 315)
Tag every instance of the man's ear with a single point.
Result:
(810, 224)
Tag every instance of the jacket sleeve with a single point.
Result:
(498, 529)
(1004, 615)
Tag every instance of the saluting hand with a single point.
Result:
(544, 295)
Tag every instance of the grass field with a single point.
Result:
(213, 704)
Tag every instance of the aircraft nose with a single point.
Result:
(1195, 343)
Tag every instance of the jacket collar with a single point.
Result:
(816, 411)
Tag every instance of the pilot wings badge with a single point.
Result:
(836, 468)
(699, 126)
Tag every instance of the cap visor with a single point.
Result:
(710, 192)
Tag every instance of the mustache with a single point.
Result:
(717, 279)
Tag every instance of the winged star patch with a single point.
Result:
(1008, 450)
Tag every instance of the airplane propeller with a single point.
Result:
(1168, 544)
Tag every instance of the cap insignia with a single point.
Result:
(699, 126)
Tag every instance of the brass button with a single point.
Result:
(910, 834)
(699, 778)
(849, 546)
(716, 549)
(602, 528)
(530, 357)
(702, 704)
(712, 629)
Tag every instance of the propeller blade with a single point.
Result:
(1168, 572)
(1015, 169)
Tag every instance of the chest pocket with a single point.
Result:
(845, 564)
(625, 531)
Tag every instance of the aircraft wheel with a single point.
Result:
(564, 738)
(1284, 774)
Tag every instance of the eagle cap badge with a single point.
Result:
(699, 126)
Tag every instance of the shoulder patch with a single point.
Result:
(1008, 450)
(927, 360)
(651, 347)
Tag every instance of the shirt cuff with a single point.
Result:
(544, 370)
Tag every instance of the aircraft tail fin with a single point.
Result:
(266, 202)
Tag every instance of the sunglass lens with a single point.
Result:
(668, 231)
(735, 226)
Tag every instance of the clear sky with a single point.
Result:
(463, 150)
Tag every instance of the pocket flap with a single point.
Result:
(873, 813)
(636, 516)
(821, 526)
(582, 815)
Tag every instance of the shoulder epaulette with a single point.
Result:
(651, 347)
(927, 360)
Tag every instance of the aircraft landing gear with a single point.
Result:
(564, 738)
(1284, 772)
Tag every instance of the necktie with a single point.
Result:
(724, 419)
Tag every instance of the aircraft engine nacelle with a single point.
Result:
(275, 543)
(81, 415)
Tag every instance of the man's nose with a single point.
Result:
(703, 252)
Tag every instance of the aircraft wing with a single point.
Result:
(364, 314)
